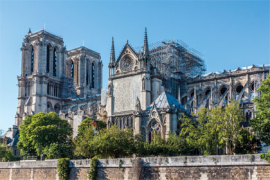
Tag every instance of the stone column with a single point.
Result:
(137, 124)
(146, 90)
(195, 100)
(248, 87)
(40, 58)
(23, 70)
(75, 73)
(231, 86)
(109, 104)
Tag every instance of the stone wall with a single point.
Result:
(240, 167)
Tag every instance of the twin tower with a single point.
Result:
(51, 75)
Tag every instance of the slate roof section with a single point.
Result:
(14, 141)
(165, 100)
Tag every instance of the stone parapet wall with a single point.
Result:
(240, 167)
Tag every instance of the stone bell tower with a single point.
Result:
(42, 67)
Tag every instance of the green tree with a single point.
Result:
(6, 154)
(248, 143)
(211, 129)
(230, 132)
(55, 150)
(113, 142)
(261, 123)
(203, 133)
(175, 145)
(38, 132)
(87, 130)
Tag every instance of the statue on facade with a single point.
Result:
(138, 105)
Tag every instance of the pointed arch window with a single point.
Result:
(48, 60)
(48, 89)
(93, 75)
(72, 70)
(32, 60)
(54, 62)
(87, 74)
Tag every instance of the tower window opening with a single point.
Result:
(87, 74)
(54, 62)
(72, 70)
(93, 75)
(48, 89)
(48, 60)
(32, 60)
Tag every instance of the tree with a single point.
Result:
(87, 130)
(38, 132)
(248, 143)
(6, 154)
(203, 133)
(261, 123)
(230, 133)
(175, 145)
(55, 151)
(113, 142)
(211, 129)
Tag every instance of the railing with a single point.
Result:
(30, 158)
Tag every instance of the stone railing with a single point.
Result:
(30, 164)
(221, 160)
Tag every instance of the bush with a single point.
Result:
(63, 168)
(266, 156)
(92, 173)
(7, 155)
(55, 151)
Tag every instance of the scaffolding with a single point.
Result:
(174, 59)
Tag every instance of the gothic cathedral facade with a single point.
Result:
(148, 88)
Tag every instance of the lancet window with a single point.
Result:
(54, 62)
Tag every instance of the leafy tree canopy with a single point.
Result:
(87, 130)
(6, 154)
(214, 128)
(38, 132)
(248, 143)
(261, 123)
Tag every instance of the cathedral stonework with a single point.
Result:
(148, 88)
(54, 79)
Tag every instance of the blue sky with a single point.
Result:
(229, 34)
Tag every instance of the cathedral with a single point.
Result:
(148, 87)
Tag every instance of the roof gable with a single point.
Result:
(166, 100)
(127, 47)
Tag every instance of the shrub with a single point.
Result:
(92, 173)
(63, 168)
(266, 156)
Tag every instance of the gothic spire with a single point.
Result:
(112, 59)
(145, 47)
(29, 32)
